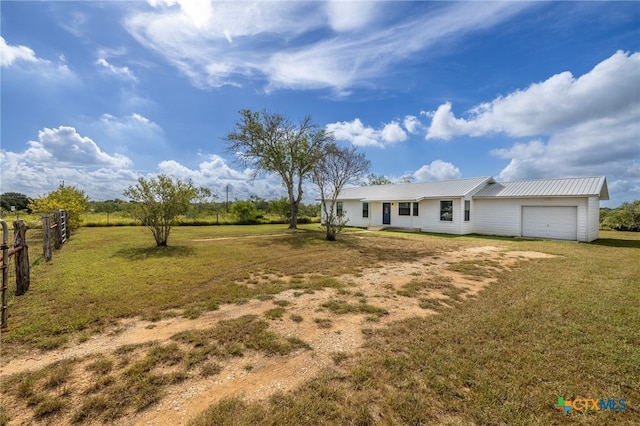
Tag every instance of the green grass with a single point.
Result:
(567, 326)
(343, 307)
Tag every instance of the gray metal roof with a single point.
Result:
(481, 187)
(415, 191)
(580, 186)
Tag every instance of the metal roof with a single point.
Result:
(415, 191)
(481, 187)
(580, 186)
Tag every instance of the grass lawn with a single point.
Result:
(562, 327)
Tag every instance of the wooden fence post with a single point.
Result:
(57, 233)
(23, 277)
(67, 228)
(46, 237)
(5, 275)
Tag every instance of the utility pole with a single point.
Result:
(227, 198)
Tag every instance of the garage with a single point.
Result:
(560, 223)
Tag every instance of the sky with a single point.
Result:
(98, 94)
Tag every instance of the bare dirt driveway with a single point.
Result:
(396, 290)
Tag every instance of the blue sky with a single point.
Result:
(97, 94)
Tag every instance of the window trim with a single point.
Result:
(444, 211)
(365, 209)
(339, 209)
(415, 209)
(404, 211)
(467, 210)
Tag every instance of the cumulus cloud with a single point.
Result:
(609, 89)
(359, 135)
(10, 54)
(437, 170)
(22, 62)
(65, 145)
(216, 174)
(222, 43)
(412, 124)
(589, 125)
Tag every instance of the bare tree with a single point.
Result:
(272, 143)
(336, 168)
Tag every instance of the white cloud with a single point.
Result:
(609, 89)
(64, 145)
(350, 15)
(412, 124)
(216, 175)
(120, 72)
(23, 62)
(358, 135)
(393, 133)
(437, 170)
(221, 43)
(10, 54)
(583, 126)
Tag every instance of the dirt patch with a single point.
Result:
(372, 299)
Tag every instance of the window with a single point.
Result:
(339, 208)
(415, 209)
(404, 209)
(365, 209)
(467, 210)
(446, 210)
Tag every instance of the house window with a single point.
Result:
(467, 210)
(404, 209)
(365, 209)
(339, 208)
(446, 210)
(415, 209)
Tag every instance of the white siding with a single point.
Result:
(353, 210)
(492, 216)
(593, 218)
(430, 217)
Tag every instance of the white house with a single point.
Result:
(565, 209)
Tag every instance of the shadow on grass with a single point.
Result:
(616, 242)
(141, 253)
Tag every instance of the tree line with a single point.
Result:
(263, 141)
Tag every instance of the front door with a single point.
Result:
(386, 213)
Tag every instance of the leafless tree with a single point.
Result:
(336, 168)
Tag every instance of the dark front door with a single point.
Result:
(386, 213)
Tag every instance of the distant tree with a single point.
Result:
(157, 203)
(630, 216)
(68, 198)
(407, 178)
(310, 210)
(282, 208)
(373, 179)
(245, 211)
(108, 207)
(272, 143)
(624, 218)
(15, 199)
(336, 168)
(260, 203)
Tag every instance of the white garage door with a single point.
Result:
(560, 223)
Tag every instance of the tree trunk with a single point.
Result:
(294, 215)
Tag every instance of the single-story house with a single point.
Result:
(564, 209)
